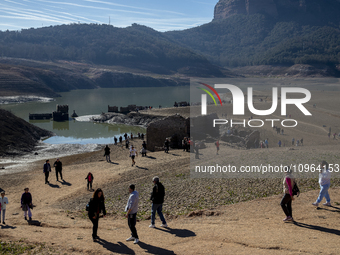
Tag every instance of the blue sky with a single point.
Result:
(160, 15)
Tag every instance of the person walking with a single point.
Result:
(133, 154)
(89, 179)
(286, 202)
(3, 204)
(166, 145)
(115, 139)
(279, 143)
(131, 209)
(107, 153)
(127, 143)
(26, 203)
(96, 207)
(144, 149)
(58, 169)
(47, 170)
(217, 144)
(325, 183)
(157, 198)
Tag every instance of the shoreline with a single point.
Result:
(4, 100)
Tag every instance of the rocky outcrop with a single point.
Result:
(227, 8)
(275, 8)
(18, 136)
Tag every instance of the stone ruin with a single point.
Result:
(174, 127)
(242, 138)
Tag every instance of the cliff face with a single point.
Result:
(227, 8)
(275, 8)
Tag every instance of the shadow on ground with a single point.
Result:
(318, 228)
(119, 248)
(178, 232)
(153, 249)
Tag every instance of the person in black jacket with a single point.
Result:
(96, 206)
(157, 198)
(107, 153)
(26, 203)
(58, 169)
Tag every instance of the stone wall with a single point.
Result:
(202, 126)
(174, 127)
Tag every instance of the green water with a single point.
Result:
(89, 102)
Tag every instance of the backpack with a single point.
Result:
(87, 208)
(296, 190)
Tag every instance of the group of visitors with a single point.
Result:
(97, 209)
(58, 170)
(290, 189)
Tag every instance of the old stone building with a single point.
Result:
(174, 127)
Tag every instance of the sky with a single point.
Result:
(158, 14)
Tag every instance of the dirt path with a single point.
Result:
(253, 227)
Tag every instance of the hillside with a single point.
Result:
(270, 32)
(132, 47)
(18, 136)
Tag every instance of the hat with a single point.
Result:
(155, 179)
(2, 192)
(25, 188)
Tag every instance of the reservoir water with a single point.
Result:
(92, 102)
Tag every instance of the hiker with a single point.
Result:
(297, 142)
(325, 183)
(115, 139)
(282, 131)
(58, 169)
(131, 209)
(197, 147)
(184, 143)
(125, 136)
(266, 143)
(286, 202)
(279, 143)
(47, 170)
(293, 140)
(301, 141)
(142, 136)
(26, 203)
(120, 139)
(166, 145)
(334, 136)
(133, 154)
(3, 204)
(157, 198)
(143, 149)
(96, 207)
(131, 136)
(107, 153)
(89, 179)
(127, 143)
(217, 144)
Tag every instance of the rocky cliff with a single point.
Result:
(274, 8)
(227, 8)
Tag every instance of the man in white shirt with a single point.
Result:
(131, 213)
(3, 203)
(325, 183)
(133, 154)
